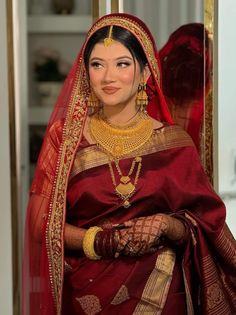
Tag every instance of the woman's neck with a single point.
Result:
(119, 115)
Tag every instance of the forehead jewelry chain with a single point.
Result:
(109, 40)
(126, 189)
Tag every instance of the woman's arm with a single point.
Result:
(73, 237)
(38, 207)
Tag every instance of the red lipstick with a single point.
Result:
(110, 89)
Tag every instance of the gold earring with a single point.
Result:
(142, 98)
(93, 100)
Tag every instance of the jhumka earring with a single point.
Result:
(93, 101)
(142, 98)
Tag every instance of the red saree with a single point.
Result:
(172, 181)
(72, 184)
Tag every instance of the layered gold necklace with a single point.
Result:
(118, 141)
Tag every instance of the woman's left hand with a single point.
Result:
(144, 234)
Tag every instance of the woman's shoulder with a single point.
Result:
(171, 134)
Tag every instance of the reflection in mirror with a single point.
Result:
(187, 83)
(185, 47)
(163, 17)
(182, 60)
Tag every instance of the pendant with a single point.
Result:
(118, 149)
(126, 203)
(125, 189)
(125, 179)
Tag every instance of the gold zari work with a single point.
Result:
(119, 141)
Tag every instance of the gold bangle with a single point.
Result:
(88, 242)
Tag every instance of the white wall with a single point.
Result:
(5, 209)
(164, 16)
(227, 107)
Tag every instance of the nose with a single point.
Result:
(108, 74)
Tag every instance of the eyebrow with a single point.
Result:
(119, 58)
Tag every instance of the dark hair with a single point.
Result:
(121, 35)
(183, 66)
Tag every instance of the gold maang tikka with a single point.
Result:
(109, 40)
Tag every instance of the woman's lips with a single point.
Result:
(110, 89)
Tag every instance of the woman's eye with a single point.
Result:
(95, 65)
(123, 64)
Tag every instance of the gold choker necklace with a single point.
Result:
(118, 141)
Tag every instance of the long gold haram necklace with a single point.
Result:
(118, 141)
(125, 189)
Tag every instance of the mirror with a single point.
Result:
(184, 35)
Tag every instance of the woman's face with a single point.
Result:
(114, 75)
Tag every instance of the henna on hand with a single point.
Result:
(142, 236)
(147, 234)
(176, 230)
(139, 236)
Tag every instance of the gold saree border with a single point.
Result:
(226, 243)
(207, 138)
(213, 289)
(72, 133)
(168, 137)
(156, 289)
(216, 291)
